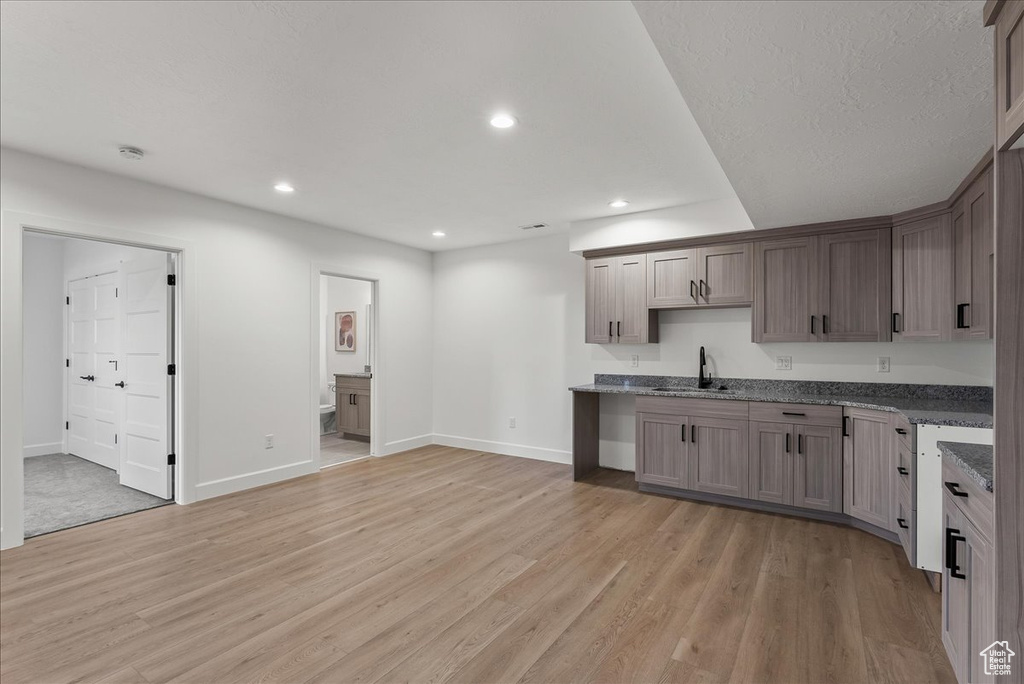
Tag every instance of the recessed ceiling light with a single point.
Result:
(503, 121)
(284, 187)
(618, 204)
(438, 233)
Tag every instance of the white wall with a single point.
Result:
(684, 221)
(253, 319)
(510, 324)
(343, 294)
(43, 282)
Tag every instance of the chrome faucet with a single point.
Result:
(703, 381)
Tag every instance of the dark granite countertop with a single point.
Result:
(974, 459)
(928, 404)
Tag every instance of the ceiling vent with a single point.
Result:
(533, 226)
(129, 152)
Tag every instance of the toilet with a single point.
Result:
(327, 417)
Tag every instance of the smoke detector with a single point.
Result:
(129, 152)
(533, 226)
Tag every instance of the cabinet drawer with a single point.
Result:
(906, 468)
(904, 430)
(978, 503)
(797, 414)
(682, 406)
(906, 521)
(353, 383)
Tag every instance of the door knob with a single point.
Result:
(119, 384)
(90, 378)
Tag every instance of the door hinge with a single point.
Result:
(170, 459)
(172, 369)
(171, 279)
(67, 425)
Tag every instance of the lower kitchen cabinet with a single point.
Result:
(718, 456)
(771, 462)
(868, 483)
(796, 465)
(661, 449)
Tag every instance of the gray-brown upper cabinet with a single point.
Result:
(719, 275)
(616, 301)
(1009, 48)
(869, 484)
(826, 288)
(922, 279)
(973, 255)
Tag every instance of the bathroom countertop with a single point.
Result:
(920, 404)
(974, 459)
(353, 375)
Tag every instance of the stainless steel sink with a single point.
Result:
(702, 390)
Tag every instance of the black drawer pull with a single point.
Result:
(610, 334)
(902, 523)
(960, 316)
(900, 431)
(902, 471)
(787, 442)
(799, 444)
(846, 426)
(793, 413)
(824, 324)
(954, 489)
(693, 433)
(682, 433)
(812, 324)
(618, 328)
(952, 537)
(693, 291)
(895, 323)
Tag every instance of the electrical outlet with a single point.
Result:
(783, 363)
(512, 422)
(883, 364)
(268, 441)
(634, 360)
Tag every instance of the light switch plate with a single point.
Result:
(883, 364)
(783, 363)
(512, 422)
(268, 441)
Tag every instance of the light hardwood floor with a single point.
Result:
(450, 565)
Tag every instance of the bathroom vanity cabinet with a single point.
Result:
(353, 405)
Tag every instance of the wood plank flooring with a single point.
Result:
(443, 564)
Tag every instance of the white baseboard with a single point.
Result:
(505, 448)
(237, 483)
(405, 444)
(31, 450)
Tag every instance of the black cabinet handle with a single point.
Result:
(119, 384)
(960, 316)
(682, 432)
(787, 442)
(900, 431)
(701, 289)
(812, 324)
(952, 537)
(824, 324)
(693, 294)
(90, 378)
(902, 471)
(794, 413)
(693, 433)
(954, 489)
(895, 323)
(799, 444)
(610, 334)
(618, 328)
(846, 426)
(902, 523)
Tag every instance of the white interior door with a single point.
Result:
(146, 343)
(94, 341)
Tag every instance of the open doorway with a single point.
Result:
(346, 368)
(97, 377)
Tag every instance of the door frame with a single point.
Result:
(13, 226)
(376, 358)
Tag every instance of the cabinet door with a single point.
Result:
(855, 295)
(672, 279)
(974, 250)
(922, 279)
(361, 400)
(867, 469)
(661, 446)
(632, 322)
(818, 468)
(724, 275)
(955, 591)
(600, 306)
(719, 456)
(771, 462)
(981, 595)
(784, 278)
(347, 411)
(1009, 47)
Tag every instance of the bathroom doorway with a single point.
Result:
(98, 338)
(346, 360)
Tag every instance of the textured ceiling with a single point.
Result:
(376, 112)
(820, 111)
